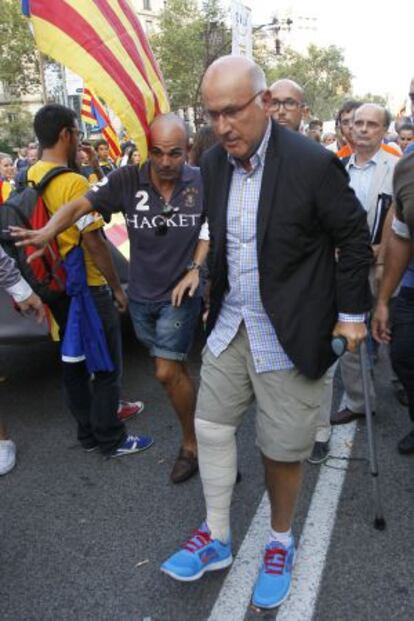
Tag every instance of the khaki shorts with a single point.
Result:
(287, 403)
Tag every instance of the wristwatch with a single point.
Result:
(193, 266)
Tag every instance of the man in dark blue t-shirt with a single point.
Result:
(163, 207)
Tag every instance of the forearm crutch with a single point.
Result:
(339, 345)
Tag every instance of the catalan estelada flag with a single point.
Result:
(94, 113)
(103, 42)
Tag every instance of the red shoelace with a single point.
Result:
(198, 540)
(274, 560)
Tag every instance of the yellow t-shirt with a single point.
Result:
(5, 191)
(65, 188)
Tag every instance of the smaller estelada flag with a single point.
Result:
(93, 112)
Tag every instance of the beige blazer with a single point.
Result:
(381, 182)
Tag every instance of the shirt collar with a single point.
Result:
(372, 160)
(258, 157)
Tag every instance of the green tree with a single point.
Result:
(371, 98)
(19, 69)
(264, 57)
(190, 38)
(16, 125)
(322, 74)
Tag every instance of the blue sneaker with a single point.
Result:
(275, 576)
(133, 444)
(199, 554)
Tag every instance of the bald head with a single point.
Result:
(168, 147)
(374, 109)
(291, 85)
(288, 103)
(236, 99)
(168, 123)
(234, 74)
(370, 124)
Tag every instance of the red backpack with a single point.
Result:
(25, 207)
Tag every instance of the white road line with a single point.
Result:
(317, 532)
(235, 593)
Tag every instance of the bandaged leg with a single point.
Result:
(217, 460)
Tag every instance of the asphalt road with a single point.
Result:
(81, 538)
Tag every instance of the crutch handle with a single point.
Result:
(339, 344)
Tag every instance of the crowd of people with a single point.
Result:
(283, 238)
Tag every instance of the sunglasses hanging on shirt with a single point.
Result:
(167, 212)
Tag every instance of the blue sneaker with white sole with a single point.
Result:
(133, 444)
(199, 554)
(275, 576)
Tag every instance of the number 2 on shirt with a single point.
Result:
(142, 204)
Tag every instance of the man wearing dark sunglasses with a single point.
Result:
(162, 203)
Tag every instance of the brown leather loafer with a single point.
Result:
(186, 465)
(345, 416)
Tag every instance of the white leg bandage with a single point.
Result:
(217, 460)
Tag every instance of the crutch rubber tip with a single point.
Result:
(379, 523)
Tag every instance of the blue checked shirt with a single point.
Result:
(242, 301)
(361, 177)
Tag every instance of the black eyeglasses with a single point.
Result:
(231, 112)
(288, 104)
(167, 213)
(79, 133)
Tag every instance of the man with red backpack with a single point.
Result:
(93, 399)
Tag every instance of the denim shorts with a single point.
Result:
(166, 330)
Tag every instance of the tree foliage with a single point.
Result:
(19, 69)
(190, 38)
(371, 98)
(16, 125)
(322, 74)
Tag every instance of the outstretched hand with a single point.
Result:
(29, 237)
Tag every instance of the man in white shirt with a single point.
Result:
(371, 169)
(12, 281)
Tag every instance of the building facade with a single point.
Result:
(147, 11)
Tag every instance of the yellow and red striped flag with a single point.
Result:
(93, 112)
(104, 43)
